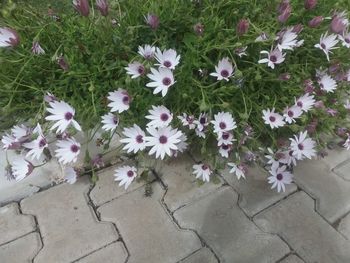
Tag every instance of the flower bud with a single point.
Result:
(37, 49)
(102, 6)
(316, 21)
(297, 28)
(152, 20)
(61, 61)
(8, 37)
(242, 27)
(319, 104)
(82, 6)
(310, 4)
(198, 29)
(285, 76)
(284, 10)
(338, 24)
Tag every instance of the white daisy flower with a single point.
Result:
(327, 43)
(63, 115)
(163, 79)
(125, 175)
(21, 168)
(274, 57)
(135, 139)
(271, 157)
(36, 146)
(181, 146)
(279, 177)
(347, 143)
(10, 142)
(159, 117)
(135, 69)
(187, 120)
(37, 49)
(202, 171)
(120, 100)
(241, 51)
(202, 122)
(302, 146)
(8, 37)
(20, 132)
(167, 59)
(288, 158)
(225, 150)
(67, 150)
(292, 113)
(347, 104)
(224, 69)
(200, 133)
(110, 122)
(345, 39)
(305, 102)
(327, 83)
(162, 141)
(147, 51)
(238, 170)
(226, 138)
(262, 37)
(273, 119)
(288, 40)
(223, 122)
(70, 175)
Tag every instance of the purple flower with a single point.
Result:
(82, 6)
(338, 23)
(310, 4)
(284, 10)
(242, 27)
(61, 61)
(152, 20)
(102, 5)
(316, 21)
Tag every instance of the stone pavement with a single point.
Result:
(182, 221)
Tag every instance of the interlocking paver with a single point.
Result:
(255, 192)
(226, 229)
(113, 253)
(330, 190)
(343, 170)
(21, 250)
(344, 226)
(204, 255)
(313, 239)
(147, 229)
(68, 225)
(13, 224)
(107, 189)
(183, 187)
(292, 259)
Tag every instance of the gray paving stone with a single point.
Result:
(312, 238)
(147, 229)
(68, 225)
(113, 253)
(204, 255)
(292, 259)
(21, 250)
(183, 188)
(343, 170)
(255, 192)
(336, 156)
(344, 226)
(330, 191)
(107, 189)
(13, 224)
(225, 228)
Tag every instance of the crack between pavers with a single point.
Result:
(290, 254)
(188, 256)
(338, 166)
(171, 214)
(98, 216)
(37, 230)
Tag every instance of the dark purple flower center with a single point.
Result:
(225, 147)
(139, 139)
(164, 117)
(279, 177)
(290, 153)
(300, 146)
(290, 113)
(205, 167)
(141, 70)
(189, 119)
(202, 120)
(126, 100)
(273, 58)
(323, 46)
(167, 63)
(224, 73)
(68, 116)
(163, 139)
(130, 173)
(115, 120)
(74, 148)
(272, 118)
(42, 143)
(222, 125)
(225, 136)
(166, 81)
(300, 104)
(347, 40)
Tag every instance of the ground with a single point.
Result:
(230, 221)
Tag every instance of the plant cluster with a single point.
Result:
(239, 85)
